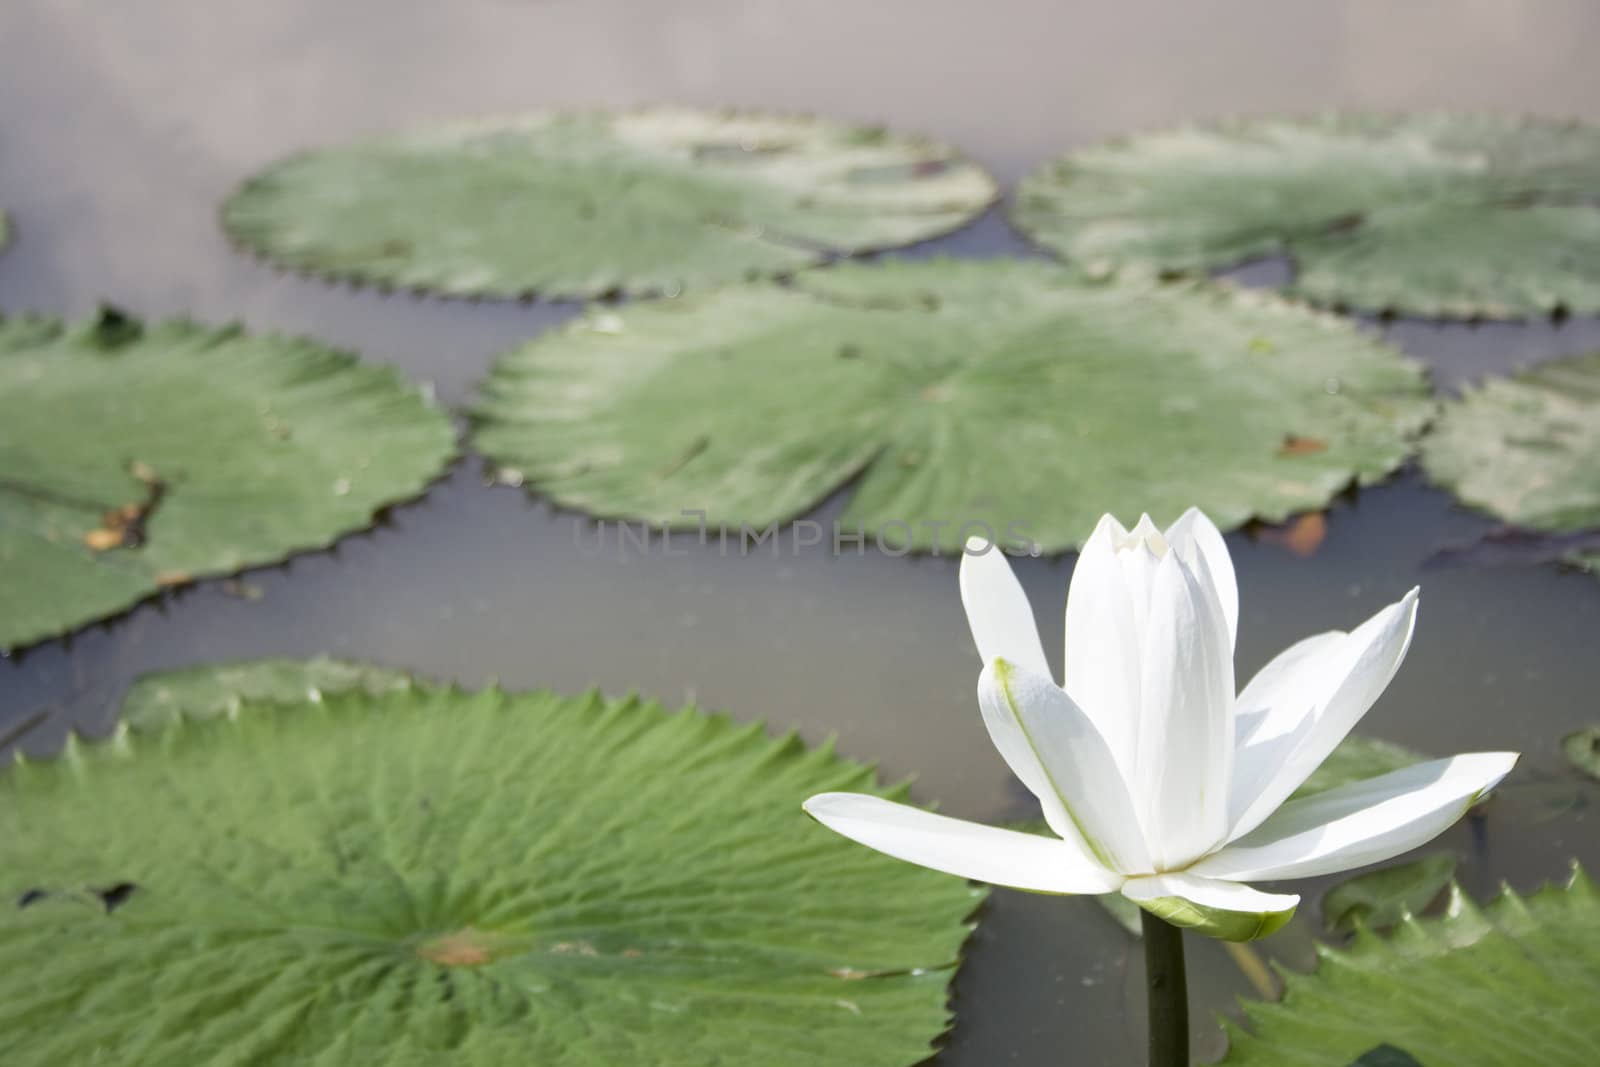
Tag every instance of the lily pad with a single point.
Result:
(5, 230)
(1009, 399)
(429, 875)
(1356, 759)
(1433, 214)
(137, 458)
(1582, 749)
(1526, 449)
(216, 689)
(1512, 984)
(1382, 898)
(583, 204)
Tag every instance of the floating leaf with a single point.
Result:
(1526, 449)
(1382, 898)
(138, 458)
(215, 689)
(1451, 215)
(1000, 398)
(1301, 535)
(430, 876)
(586, 204)
(1357, 759)
(5, 230)
(1513, 984)
(1582, 750)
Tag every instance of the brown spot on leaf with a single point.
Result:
(466, 947)
(1295, 445)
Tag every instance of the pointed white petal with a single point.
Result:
(1225, 910)
(1102, 646)
(1198, 542)
(1139, 563)
(1353, 675)
(998, 610)
(1185, 752)
(1052, 745)
(970, 850)
(1277, 709)
(1275, 699)
(1361, 823)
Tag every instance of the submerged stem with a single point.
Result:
(1168, 990)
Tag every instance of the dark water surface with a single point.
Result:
(123, 125)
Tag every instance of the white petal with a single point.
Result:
(1139, 562)
(1276, 698)
(1361, 823)
(998, 610)
(1052, 745)
(1227, 910)
(1185, 752)
(982, 853)
(1353, 676)
(1198, 542)
(1277, 708)
(1102, 661)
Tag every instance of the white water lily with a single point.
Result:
(1158, 781)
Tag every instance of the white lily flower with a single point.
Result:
(1158, 781)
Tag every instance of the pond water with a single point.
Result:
(123, 126)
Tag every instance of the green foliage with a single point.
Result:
(585, 204)
(1381, 898)
(1582, 749)
(427, 876)
(136, 458)
(214, 689)
(1004, 392)
(1356, 759)
(1513, 984)
(1434, 214)
(1526, 449)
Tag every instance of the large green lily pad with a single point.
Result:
(135, 458)
(1513, 984)
(429, 875)
(1434, 214)
(1526, 449)
(584, 204)
(1010, 395)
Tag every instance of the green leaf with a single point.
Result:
(1582, 749)
(1003, 398)
(429, 876)
(5, 230)
(211, 690)
(1526, 449)
(136, 458)
(1384, 897)
(1357, 759)
(1433, 214)
(585, 204)
(1512, 984)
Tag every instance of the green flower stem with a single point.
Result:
(1169, 992)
